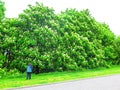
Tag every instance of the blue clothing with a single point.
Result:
(29, 68)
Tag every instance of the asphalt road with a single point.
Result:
(100, 83)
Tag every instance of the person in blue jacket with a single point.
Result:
(29, 71)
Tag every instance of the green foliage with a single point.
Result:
(117, 50)
(11, 74)
(71, 40)
(2, 73)
(2, 10)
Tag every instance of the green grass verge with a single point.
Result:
(45, 78)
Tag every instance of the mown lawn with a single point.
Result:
(45, 78)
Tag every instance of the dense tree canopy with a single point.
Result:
(2, 10)
(71, 40)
